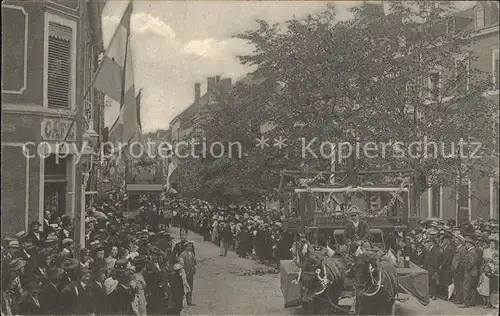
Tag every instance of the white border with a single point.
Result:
(25, 83)
(74, 32)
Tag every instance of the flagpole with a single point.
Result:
(89, 87)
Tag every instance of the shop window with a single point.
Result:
(55, 166)
(55, 185)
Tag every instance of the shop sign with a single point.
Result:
(8, 128)
(58, 130)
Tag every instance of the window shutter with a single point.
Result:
(59, 65)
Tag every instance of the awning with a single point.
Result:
(147, 188)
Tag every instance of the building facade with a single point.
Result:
(49, 55)
(479, 199)
(184, 124)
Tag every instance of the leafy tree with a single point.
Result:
(362, 80)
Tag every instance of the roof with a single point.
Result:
(252, 79)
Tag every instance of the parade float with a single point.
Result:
(317, 276)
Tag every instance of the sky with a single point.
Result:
(178, 43)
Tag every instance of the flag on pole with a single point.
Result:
(110, 74)
(115, 78)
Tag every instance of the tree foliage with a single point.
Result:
(369, 79)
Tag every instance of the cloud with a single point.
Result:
(167, 68)
(178, 43)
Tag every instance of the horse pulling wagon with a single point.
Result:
(324, 271)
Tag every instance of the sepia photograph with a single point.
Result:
(250, 157)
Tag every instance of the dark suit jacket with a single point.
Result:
(62, 236)
(446, 262)
(419, 259)
(120, 301)
(432, 260)
(457, 264)
(49, 299)
(35, 240)
(98, 299)
(28, 306)
(470, 263)
(69, 299)
(362, 232)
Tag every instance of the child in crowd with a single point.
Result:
(483, 287)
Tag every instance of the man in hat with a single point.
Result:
(96, 291)
(49, 295)
(13, 282)
(446, 278)
(70, 267)
(188, 261)
(26, 248)
(457, 268)
(471, 273)
(120, 300)
(431, 264)
(29, 303)
(43, 261)
(34, 234)
(67, 228)
(356, 231)
(178, 247)
(72, 295)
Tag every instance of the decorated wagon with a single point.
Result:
(323, 271)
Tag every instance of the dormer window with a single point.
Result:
(479, 18)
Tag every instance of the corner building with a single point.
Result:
(49, 54)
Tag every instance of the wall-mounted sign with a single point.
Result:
(58, 130)
(8, 128)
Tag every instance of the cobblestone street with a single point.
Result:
(232, 286)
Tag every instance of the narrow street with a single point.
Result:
(232, 286)
(227, 285)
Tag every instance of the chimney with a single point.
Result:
(226, 85)
(217, 79)
(211, 82)
(197, 92)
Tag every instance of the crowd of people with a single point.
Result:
(462, 262)
(128, 267)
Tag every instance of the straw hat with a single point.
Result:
(16, 264)
(177, 266)
(69, 264)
